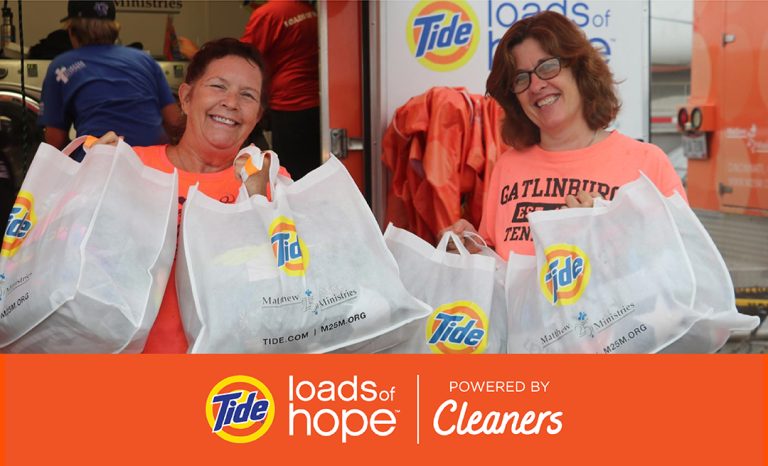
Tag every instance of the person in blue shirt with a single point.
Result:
(99, 86)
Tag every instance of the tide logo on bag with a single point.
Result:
(565, 274)
(442, 35)
(20, 222)
(460, 327)
(240, 409)
(290, 251)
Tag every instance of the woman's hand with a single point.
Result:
(459, 228)
(581, 199)
(110, 138)
(259, 181)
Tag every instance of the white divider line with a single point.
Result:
(418, 412)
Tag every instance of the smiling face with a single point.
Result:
(553, 105)
(222, 106)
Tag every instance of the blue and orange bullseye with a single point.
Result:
(565, 274)
(20, 222)
(291, 253)
(240, 409)
(460, 327)
(443, 35)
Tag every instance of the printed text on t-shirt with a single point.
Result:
(554, 187)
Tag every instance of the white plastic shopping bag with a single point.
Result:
(87, 252)
(307, 272)
(714, 287)
(613, 279)
(499, 301)
(460, 290)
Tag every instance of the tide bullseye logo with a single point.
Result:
(240, 409)
(443, 35)
(565, 274)
(20, 222)
(290, 251)
(460, 327)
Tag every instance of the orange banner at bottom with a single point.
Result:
(78, 409)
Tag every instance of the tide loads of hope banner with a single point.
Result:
(426, 43)
(77, 409)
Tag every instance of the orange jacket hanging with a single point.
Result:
(436, 149)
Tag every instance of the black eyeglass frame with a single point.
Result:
(535, 71)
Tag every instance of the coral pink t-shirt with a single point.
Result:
(535, 179)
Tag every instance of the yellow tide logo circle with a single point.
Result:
(565, 274)
(20, 222)
(460, 327)
(240, 409)
(442, 35)
(291, 253)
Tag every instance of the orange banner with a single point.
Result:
(180, 409)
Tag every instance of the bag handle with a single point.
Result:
(442, 246)
(252, 165)
(475, 238)
(599, 202)
(255, 162)
(74, 144)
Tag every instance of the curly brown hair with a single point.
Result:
(559, 37)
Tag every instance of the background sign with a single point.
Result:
(451, 43)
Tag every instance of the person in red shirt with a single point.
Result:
(285, 32)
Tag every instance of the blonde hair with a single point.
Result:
(93, 31)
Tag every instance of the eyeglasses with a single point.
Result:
(545, 70)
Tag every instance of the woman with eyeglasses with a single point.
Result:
(558, 96)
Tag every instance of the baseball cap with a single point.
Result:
(83, 9)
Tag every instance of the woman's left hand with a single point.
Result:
(581, 199)
(258, 182)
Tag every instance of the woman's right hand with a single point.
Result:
(110, 138)
(459, 228)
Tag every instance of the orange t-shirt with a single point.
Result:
(167, 333)
(535, 179)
